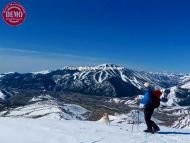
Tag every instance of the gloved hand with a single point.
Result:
(141, 106)
(137, 98)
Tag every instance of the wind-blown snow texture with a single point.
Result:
(19, 130)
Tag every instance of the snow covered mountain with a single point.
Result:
(101, 80)
(109, 88)
(185, 82)
(176, 96)
(2, 96)
(46, 107)
(182, 122)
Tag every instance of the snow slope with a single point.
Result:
(172, 97)
(182, 122)
(50, 109)
(20, 130)
(185, 80)
(2, 96)
(42, 72)
(186, 85)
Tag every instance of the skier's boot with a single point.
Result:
(149, 131)
(156, 129)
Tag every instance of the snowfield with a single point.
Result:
(42, 72)
(20, 130)
(49, 109)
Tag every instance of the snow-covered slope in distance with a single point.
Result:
(185, 82)
(42, 72)
(47, 107)
(2, 96)
(182, 122)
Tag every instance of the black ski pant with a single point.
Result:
(148, 111)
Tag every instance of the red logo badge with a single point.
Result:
(14, 14)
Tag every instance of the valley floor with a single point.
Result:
(19, 130)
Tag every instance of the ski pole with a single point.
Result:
(132, 126)
(138, 112)
(132, 121)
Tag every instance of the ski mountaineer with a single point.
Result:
(146, 103)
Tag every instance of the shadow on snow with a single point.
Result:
(175, 133)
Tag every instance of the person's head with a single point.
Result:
(147, 85)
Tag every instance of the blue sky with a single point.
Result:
(150, 35)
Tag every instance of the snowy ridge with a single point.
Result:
(185, 81)
(99, 73)
(103, 72)
(185, 78)
(172, 97)
(50, 108)
(2, 96)
(186, 85)
(176, 96)
(183, 122)
(180, 111)
(122, 101)
(42, 72)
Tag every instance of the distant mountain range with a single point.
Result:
(103, 80)
(85, 93)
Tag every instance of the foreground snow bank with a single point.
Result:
(20, 130)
